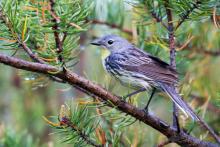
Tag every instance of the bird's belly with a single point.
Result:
(134, 82)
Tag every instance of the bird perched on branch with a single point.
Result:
(141, 70)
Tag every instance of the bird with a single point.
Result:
(141, 70)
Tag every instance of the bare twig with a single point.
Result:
(112, 25)
(201, 50)
(115, 26)
(180, 138)
(205, 52)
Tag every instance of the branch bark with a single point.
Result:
(87, 86)
(55, 28)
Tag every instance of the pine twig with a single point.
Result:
(37, 59)
(68, 123)
(17, 38)
(188, 12)
(172, 56)
(29, 51)
(158, 19)
(55, 28)
(59, 42)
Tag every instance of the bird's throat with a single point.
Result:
(105, 53)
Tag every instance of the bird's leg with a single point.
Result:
(151, 96)
(175, 118)
(134, 93)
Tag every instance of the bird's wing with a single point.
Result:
(135, 60)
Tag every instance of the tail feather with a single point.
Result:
(186, 108)
(179, 101)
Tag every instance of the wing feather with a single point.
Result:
(137, 61)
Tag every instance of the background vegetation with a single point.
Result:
(26, 97)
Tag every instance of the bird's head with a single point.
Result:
(113, 43)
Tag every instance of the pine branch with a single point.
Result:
(180, 138)
(188, 12)
(67, 122)
(37, 59)
(172, 56)
(29, 51)
(17, 38)
(155, 15)
(158, 19)
(173, 64)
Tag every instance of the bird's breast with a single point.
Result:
(130, 79)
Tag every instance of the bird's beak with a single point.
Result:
(96, 42)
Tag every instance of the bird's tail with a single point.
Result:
(171, 91)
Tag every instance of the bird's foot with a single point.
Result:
(146, 110)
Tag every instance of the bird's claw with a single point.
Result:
(145, 110)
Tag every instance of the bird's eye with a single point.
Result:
(110, 42)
